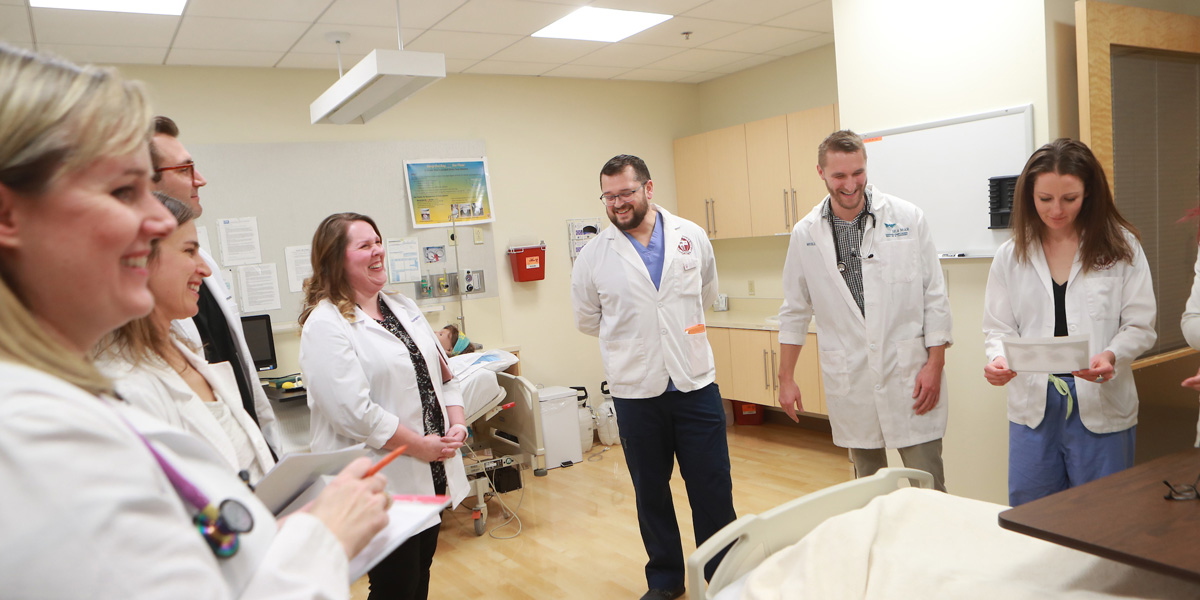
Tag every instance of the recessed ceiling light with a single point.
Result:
(601, 24)
(145, 7)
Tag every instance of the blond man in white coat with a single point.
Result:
(218, 326)
(864, 262)
(641, 286)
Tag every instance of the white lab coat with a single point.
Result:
(869, 364)
(157, 389)
(187, 329)
(1190, 323)
(642, 329)
(89, 513)
(362, 384)
(1115, 307)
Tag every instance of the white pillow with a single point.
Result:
(492, 360)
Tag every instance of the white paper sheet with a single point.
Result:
(404, 260)
(260, 288)
(1048, 354)
(239, 241)
(406, 518)
(202, 237)
(227, 277)
(299, 266)
(295, 473)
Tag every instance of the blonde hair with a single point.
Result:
(57, 118)
(328, 281)
(139, 340)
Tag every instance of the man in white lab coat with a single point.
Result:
(642, 286)
(218, 325)
(864, 262)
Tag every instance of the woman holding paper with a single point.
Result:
(377, 374)
(100, 499)
(1073, 267)
(163, 375)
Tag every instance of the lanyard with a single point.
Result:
(219, 524)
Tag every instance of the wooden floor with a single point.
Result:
(580, 535)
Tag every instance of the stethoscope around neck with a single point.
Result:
(837, 248)
(220, 524)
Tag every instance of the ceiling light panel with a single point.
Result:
(145, 7)
(601, 24)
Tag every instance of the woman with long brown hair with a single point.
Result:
(377, 375)
(1073, 267)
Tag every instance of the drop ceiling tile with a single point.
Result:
(305, 11)
(745, 63)
(222, 58)
(699, 60)
(210, 33)
(741, 11)
(362, 39)
(418, 14)
(12, 2)
(459, 65)
(108, 55)
(461, 44)
(14, 24)
(759, 39)
(662, 7)
(313, 60)
(57, 26)
(518, 17)
(585, 72)
(818, 17)
(547, 50)
(699, 77)
(503, 67)
(630, 56)
(804, 46)
(670, 32)
(655, 75)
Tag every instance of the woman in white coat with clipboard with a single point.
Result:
(377, 374)
(1073, 267)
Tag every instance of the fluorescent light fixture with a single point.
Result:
(145, 7)
(601, 24)
(377, 83)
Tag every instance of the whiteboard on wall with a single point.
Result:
(292, 187)
(943, 167)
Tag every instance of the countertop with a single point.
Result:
(750, 313)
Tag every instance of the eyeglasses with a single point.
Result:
(188, 168)
(1183, 492)
(611, 199)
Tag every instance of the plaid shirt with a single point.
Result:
(848, 236)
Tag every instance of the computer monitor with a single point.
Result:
(260, 340)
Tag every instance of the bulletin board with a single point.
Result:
(943, 167)
(291, 187)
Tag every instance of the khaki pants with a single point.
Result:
(926, 457)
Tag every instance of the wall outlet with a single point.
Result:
(451, 238)
(478, 231)
(473, 281)
(750, 286)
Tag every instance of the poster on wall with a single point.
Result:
(446, 192)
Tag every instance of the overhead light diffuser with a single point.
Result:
(378, 82)
(145, 7)
(601, 24)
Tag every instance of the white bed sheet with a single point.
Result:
(478, 389)
(916, 543)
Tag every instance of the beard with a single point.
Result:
(636, 216)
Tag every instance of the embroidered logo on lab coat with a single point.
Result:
(685, 246)
(892, 231)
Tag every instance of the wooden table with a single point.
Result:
(1124, 517)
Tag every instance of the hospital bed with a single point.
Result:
(872, 538)
(505, 421)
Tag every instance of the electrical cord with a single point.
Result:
(598, 456)
(496, 494)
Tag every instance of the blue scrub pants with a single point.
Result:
(655, 432)
(1061, 453)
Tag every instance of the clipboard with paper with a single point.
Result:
(1047, 354)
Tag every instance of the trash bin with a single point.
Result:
(747, 413)
(587, 422)
(560, 426)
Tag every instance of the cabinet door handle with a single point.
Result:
(766, 381)
(707, 223)
(787, 221)
(714, 215)
(774, 376)
(795, 214)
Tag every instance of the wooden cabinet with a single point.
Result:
(747, 364)
(756, 179)
(710, 181)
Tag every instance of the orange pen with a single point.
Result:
(694, 329)
(384, 462)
